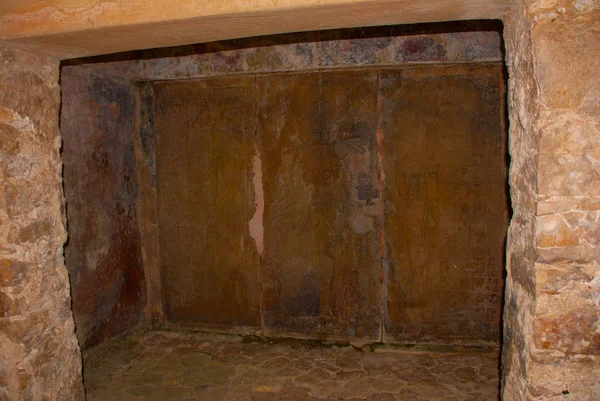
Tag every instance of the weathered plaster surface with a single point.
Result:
(296, 275)
(296, 52)
(447, 208)
(315, 50)
(255, 225)
(303, 147)
(101, 190)
(317, 133)
(145, 156)
(205, 198)
(39, 355)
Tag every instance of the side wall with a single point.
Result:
(552, 316)
(103, 252)
(39, 355)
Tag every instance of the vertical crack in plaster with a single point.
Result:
(381, 177)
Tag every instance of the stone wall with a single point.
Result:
(552, 315)
(103, 256)
(39, 355)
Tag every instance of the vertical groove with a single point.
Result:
(145, 150)
(262, 295)
(381, 178)
(259, 214)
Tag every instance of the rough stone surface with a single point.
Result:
(552, 342)
(520, 257)
(39, 355)
(171, 366)
(101, 190)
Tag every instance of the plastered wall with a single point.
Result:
(276, 193)
(103, 254)
(243, 229)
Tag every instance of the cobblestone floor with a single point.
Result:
(181, 366)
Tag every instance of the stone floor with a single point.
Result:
(181, 366)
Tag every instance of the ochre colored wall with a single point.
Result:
(100, 183)
(237, 214)
(296, 52)
(447, 208)
(204, 147)
(321, 262)
(316, 142)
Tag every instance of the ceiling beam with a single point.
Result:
(76, 28)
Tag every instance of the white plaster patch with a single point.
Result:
(586, 5)
(550, 224)
(21, 123)
(256, 223)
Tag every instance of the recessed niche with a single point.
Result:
(334, 188)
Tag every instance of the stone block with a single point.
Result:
(572, 332)
(12, 272)
(556, 204)
(569, 154)
(567, 314)
(566, 73)
(556, 378)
